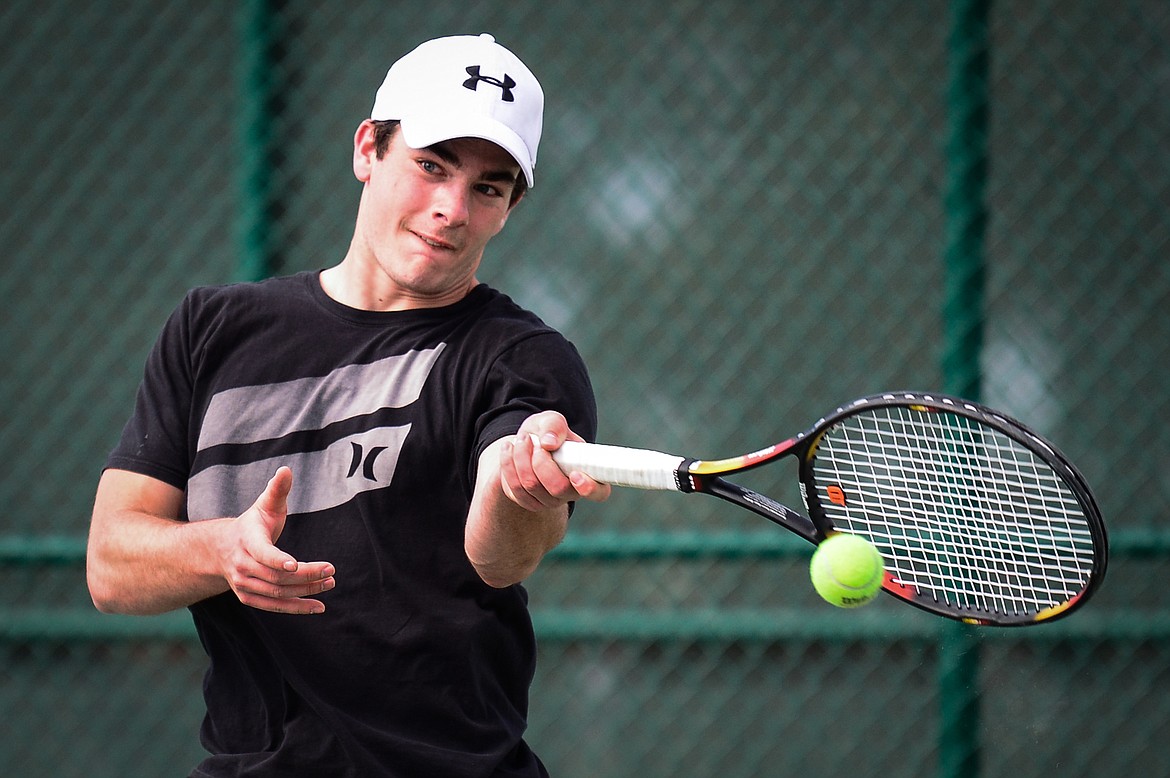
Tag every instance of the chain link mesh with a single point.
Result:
(740, 219)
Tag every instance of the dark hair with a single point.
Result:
(384, 130)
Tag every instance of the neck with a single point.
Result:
(366, 289)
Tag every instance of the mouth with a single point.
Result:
(433, 242)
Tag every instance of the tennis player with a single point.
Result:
(335, 471)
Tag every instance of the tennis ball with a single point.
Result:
(847, 570)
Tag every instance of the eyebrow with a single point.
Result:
(443, 151)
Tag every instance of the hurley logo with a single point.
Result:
(505, 85)
(364, 460)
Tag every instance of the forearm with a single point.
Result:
(138, 563)
(504, 541)
(142, 559)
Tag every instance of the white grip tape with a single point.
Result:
(620, 466)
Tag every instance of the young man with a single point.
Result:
(358, 443)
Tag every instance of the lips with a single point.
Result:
(434, 242)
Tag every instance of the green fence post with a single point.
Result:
(256, 162)
(966, 212)
(958, 647)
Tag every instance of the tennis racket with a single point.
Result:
(977, 518)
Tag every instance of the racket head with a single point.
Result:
(977, 517)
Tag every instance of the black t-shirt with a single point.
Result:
(417, 668)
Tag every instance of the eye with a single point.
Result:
(491, 190)
(428, 165)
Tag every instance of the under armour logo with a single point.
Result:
(505, 85)
(364, 461)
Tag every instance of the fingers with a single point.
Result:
(591, 490)
(263, 523)
(532, 479)
(581, 485)
(261, 574)
(280, 589)
(290, 592)
(274, 499)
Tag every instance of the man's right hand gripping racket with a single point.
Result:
(977, 517)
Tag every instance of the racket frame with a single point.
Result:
(708, 476)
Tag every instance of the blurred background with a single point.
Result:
(745, 214)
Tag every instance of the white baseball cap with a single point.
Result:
(464, 86)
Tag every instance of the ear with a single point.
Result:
(513, 203)
(364, 151)
(504, 219)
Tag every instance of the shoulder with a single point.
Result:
(243, 303)
(496, 334)
(498, 315)
(518, 340)
(211, 318)
(245, 293)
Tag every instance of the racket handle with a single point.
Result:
(620, 466)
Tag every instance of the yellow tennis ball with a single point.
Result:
(847, 570)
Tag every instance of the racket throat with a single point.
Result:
(764, 506)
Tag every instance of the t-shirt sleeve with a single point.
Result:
(154, 441)
(543, 372)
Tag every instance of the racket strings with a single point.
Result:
(961, 512)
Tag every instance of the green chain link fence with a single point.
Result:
(745, 213)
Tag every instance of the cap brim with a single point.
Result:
(420, 132)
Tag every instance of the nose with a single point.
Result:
(451, 204)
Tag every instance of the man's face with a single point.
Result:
(426, 215)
